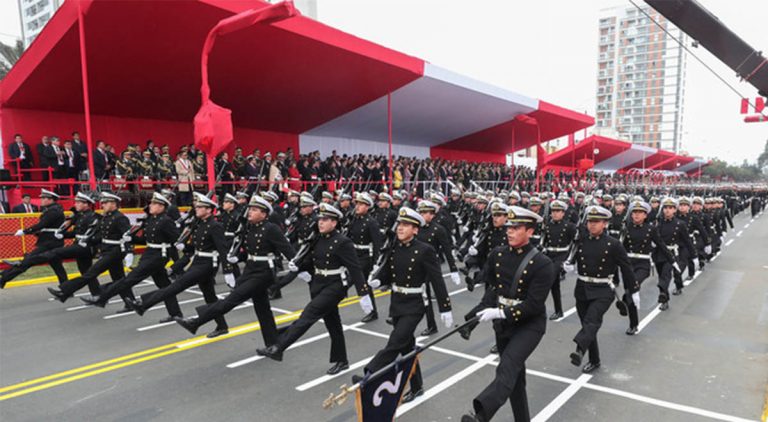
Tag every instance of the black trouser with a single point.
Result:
(366, 264)
(112, 260)
(429, 310)
(252, 284)
(515, 346)
(401, 342)
(201, 272)
(641, 269)
(39, 255)
(557, 260)
(324, 304)
(152, 264)
(591, 311)
(177, 268)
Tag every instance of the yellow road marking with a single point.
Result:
(75, 374)
(54, 279)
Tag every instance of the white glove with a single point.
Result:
(292, 267)
(19, 233)
(568, 267)
(708, 249)
(58, 235)
(126, 238)
(455, 278)
(304, 276)
(636, 299)
(366, 304)
(695, 263)
(230, 280)
(128, 260)
(375, 283)
(676, 266)
(82, 244)
(232, 259)
(472, 251)
(489, 314)
(287, 222)
(722, 239)
(447, 318)
(180, 246)
(463, 229)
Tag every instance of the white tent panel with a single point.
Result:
(634, 154)
(351, 146)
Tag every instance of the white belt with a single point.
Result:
(536, 236)
(263, 258)
(49, 230)
(163, 246)
(328, 273)
(407, 290)
(638, 255)
(368, 247)
(509, 302)
(112, 242)
(229, 234)
(562, 249)
(673, 248)
(214, 255)
(81, 236)
(604, 280)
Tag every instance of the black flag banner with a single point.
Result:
(377, 400)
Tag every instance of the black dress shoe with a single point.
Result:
(576, 357)
(136, 306)
(622, 306)
(664, 306)
(409, 396)
(93, 301)
(631, 331)
(188, 324)
(275, 294)
(470, 286)
(428, 331)
(58, 294)
(272, 352)
(677, 291)
(338, 367)
(556, 315)
(388, 320)
(372, 316)
(169, 318)
(494, 350)
(218, 332)
(590, 367)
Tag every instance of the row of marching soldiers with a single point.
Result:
(517, 247)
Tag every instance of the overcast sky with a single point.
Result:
(544, 49)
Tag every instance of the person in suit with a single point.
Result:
(46, 154)
(101, 164)
(72, 160)
(26, 206)
(20, 150)
(82, 151)
(58, 163)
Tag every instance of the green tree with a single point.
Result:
(10, 55)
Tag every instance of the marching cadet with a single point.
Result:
(558, 235)
(384, 214)
(654, 214)
(442, 216)
(230, 218)
(640, 238)
(494, 236)
(704, 237)
(364, 233)
(299, 234)
(209, 246)
(519, 279)
(109, 238)
(328, 285)
(436, 236)
(47, 226)
(674, 233)
(597, 258)
(326, 197)
(263, 242)
(276, 217)
(411, 267)
(172, 211)
(619, 216)
(534, 204)
(159, 233)
(695, 227)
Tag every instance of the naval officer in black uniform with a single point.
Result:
(519, 278)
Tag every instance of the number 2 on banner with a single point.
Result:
(388, 387)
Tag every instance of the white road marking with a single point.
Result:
(653, 314)
(746, 226)
(566, 314)
(325, 378)
(154, 308)
(450, 381)
(728, 243)
(77, 308)
(739, 233)
(142, 284)
(561, 398)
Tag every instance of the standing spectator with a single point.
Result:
(101, 164)
(47, 155)
(72, 166)
(185, 173)
(26, 206)
(81, 149)
(60, 165)
(20, 150)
